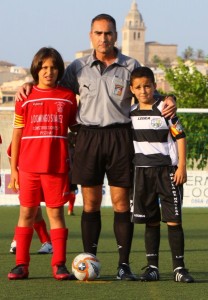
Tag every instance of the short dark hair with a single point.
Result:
(142, 72)
(104, 17)
(41, 56)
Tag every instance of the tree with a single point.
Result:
(188, 53)
(189, 85)
(156, 59)
(191, 90)
(200, 54)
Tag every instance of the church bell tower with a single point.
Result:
(133, 34)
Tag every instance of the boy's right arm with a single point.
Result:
(15, 148)
(178, 133)
(181, 173)
(23, 91)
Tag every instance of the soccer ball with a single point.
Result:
(86, 266)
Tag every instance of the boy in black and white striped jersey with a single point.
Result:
(159, 173)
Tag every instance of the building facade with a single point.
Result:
(135, 45)
(133, 42)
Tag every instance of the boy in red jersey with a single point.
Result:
(40, 160)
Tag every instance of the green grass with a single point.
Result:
(41, 285)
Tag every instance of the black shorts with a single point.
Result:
(103, 150)
(154, 187)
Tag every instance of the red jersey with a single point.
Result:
(45, 116)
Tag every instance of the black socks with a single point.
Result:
(123, 229)
(91, 227)
(176, 241)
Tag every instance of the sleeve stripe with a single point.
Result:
(18, 121)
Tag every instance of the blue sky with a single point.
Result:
(27, 25)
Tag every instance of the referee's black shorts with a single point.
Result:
(103, 150)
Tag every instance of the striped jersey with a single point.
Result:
(154, 137)
(45, 117)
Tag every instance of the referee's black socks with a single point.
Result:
(123, 229)
(91, 227)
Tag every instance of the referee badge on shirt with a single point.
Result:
(117, 86)
(118, 89)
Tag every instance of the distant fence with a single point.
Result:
(195, 189)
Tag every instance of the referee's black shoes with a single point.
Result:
(151, 274)
(124, 273)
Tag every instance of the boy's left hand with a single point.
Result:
(180, 176)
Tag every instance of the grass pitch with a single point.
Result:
(41, 285)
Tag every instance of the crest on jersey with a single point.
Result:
(156, 123)
(60, 106)
(118, 89)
